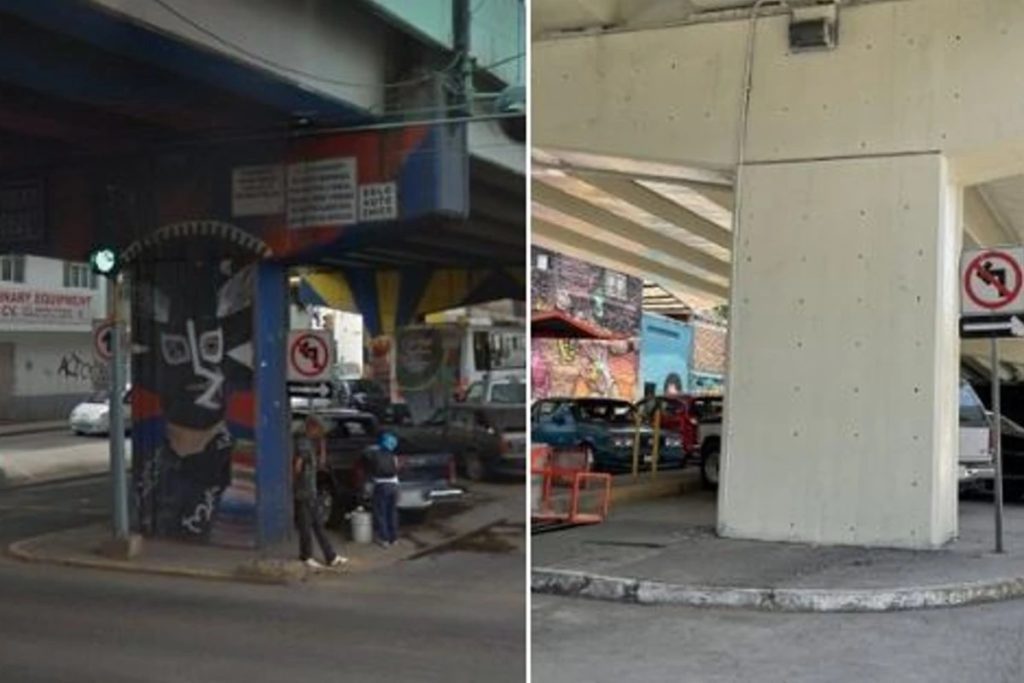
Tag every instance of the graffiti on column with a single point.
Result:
(194, 453)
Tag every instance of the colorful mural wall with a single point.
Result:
(584, 368)
(610, 300)
(666, 346)
(427, 367)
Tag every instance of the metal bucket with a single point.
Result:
(361, 525)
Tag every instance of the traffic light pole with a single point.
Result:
(118, 474)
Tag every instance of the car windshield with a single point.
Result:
(606, 411)
(510, 392)
(972, 412)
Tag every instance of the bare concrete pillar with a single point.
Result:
(842, 388)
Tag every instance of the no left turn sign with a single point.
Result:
(992, 282)
(309, 356)
(102, 339)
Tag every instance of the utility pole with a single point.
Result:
(105, 261)
(462, 18)
(117, 460)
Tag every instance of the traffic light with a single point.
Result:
(105, 261)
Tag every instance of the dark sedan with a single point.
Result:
(606, 429)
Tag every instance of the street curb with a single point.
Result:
(40, 429)
(258, 572)
(658, 488)
(239, 574)
(73, 479)
(669, 484)
(448, 542)
(569, 583)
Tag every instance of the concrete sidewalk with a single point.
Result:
(80, 547)
(665, 551)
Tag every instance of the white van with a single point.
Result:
(975, 454)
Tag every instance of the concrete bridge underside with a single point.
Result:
(866, 170)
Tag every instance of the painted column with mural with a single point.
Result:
(193, 395)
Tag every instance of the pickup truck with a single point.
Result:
(506, 391)
(487, 439)
(425, 475)
(974, 453)
(698, 422)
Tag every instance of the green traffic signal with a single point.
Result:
(104, 262)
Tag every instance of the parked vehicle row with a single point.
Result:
(606, 430)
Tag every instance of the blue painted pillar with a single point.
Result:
(273, 446)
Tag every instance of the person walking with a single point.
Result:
(309, 456)
(383, 466)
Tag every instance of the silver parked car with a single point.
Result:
(92, 416)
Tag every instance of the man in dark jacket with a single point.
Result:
(309, 457)
(383, 468)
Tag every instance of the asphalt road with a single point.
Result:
(453, 616)
(596, 642)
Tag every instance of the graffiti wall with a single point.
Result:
(193, 458)
(610, 300)
(665, 349)
(707, 371)
(583, 368)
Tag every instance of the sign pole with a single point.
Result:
(997, 432)
(117, 461)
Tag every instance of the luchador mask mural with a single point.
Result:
(192, 363)
(201, 316)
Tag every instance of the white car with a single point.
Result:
(92, 416)
(975, 443)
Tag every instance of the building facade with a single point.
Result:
(47, 359)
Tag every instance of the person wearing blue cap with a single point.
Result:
(383, 466)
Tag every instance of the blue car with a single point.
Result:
(605, 429)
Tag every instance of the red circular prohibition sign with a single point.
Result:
(296, 348)
(1006, 295)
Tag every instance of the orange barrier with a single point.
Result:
(568, 468)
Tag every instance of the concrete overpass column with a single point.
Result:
(842, 387)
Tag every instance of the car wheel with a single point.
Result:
(709, 464)
(326, 510)
(474, 466)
